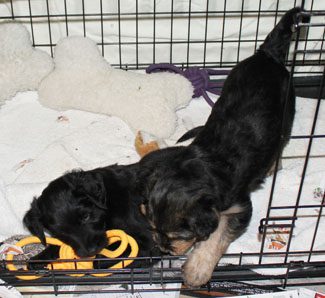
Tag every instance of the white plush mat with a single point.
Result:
(38, 144)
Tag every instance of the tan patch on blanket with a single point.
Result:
(22, 164)
(62, 118)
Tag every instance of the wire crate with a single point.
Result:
(133, 34)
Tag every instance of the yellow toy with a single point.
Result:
(66, 252)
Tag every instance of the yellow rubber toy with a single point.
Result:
(66, 252)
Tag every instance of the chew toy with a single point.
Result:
(145, 143)
(66, 252)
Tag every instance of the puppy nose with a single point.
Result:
(88, 252)
(163, 243)
(84, 253)
(96, 245)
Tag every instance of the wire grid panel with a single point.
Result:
(295, 208)
(134, 34)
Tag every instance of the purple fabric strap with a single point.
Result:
(199, 77)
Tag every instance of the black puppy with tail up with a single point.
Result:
(199, 196)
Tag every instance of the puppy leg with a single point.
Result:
(201, 262)
(51, 252)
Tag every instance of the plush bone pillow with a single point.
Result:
(21, 66)
(84, 80)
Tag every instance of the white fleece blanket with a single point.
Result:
(38, 144)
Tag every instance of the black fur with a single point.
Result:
(187, 188)
(80, 206)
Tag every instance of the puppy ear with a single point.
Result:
(204, 218)
(32, 221)
(92, 184)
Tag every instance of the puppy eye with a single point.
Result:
(181, 235)
(85, 217)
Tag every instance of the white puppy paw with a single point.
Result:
(197, 270)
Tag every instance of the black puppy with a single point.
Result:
(193, 195)
(200, 195)
(80, 206)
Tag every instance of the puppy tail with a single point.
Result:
(278, 40)
(191, 134)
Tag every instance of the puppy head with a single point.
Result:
(180, 198)
(177, 224)
(72, 209)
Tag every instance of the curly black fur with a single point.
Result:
(190, 190)
(80, 206)
(196, 195)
